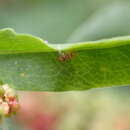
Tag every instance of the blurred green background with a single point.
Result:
(66, 21)
(60, 21)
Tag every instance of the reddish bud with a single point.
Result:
(14, 105)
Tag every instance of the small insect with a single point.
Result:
(66, 56)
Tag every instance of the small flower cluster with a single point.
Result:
(8, 101)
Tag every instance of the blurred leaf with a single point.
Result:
(44, 17)
(27, 63)
(111, 21)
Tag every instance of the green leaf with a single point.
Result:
(28, 63)
(13, 43)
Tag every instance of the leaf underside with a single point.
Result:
(29, 63)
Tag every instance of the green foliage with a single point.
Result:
(29, 63)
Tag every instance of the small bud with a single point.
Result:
(14, 105)
(4, 109)
(9, 92)
(8, 101)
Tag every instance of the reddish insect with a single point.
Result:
(66, 56)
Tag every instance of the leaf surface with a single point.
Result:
(29, 63)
